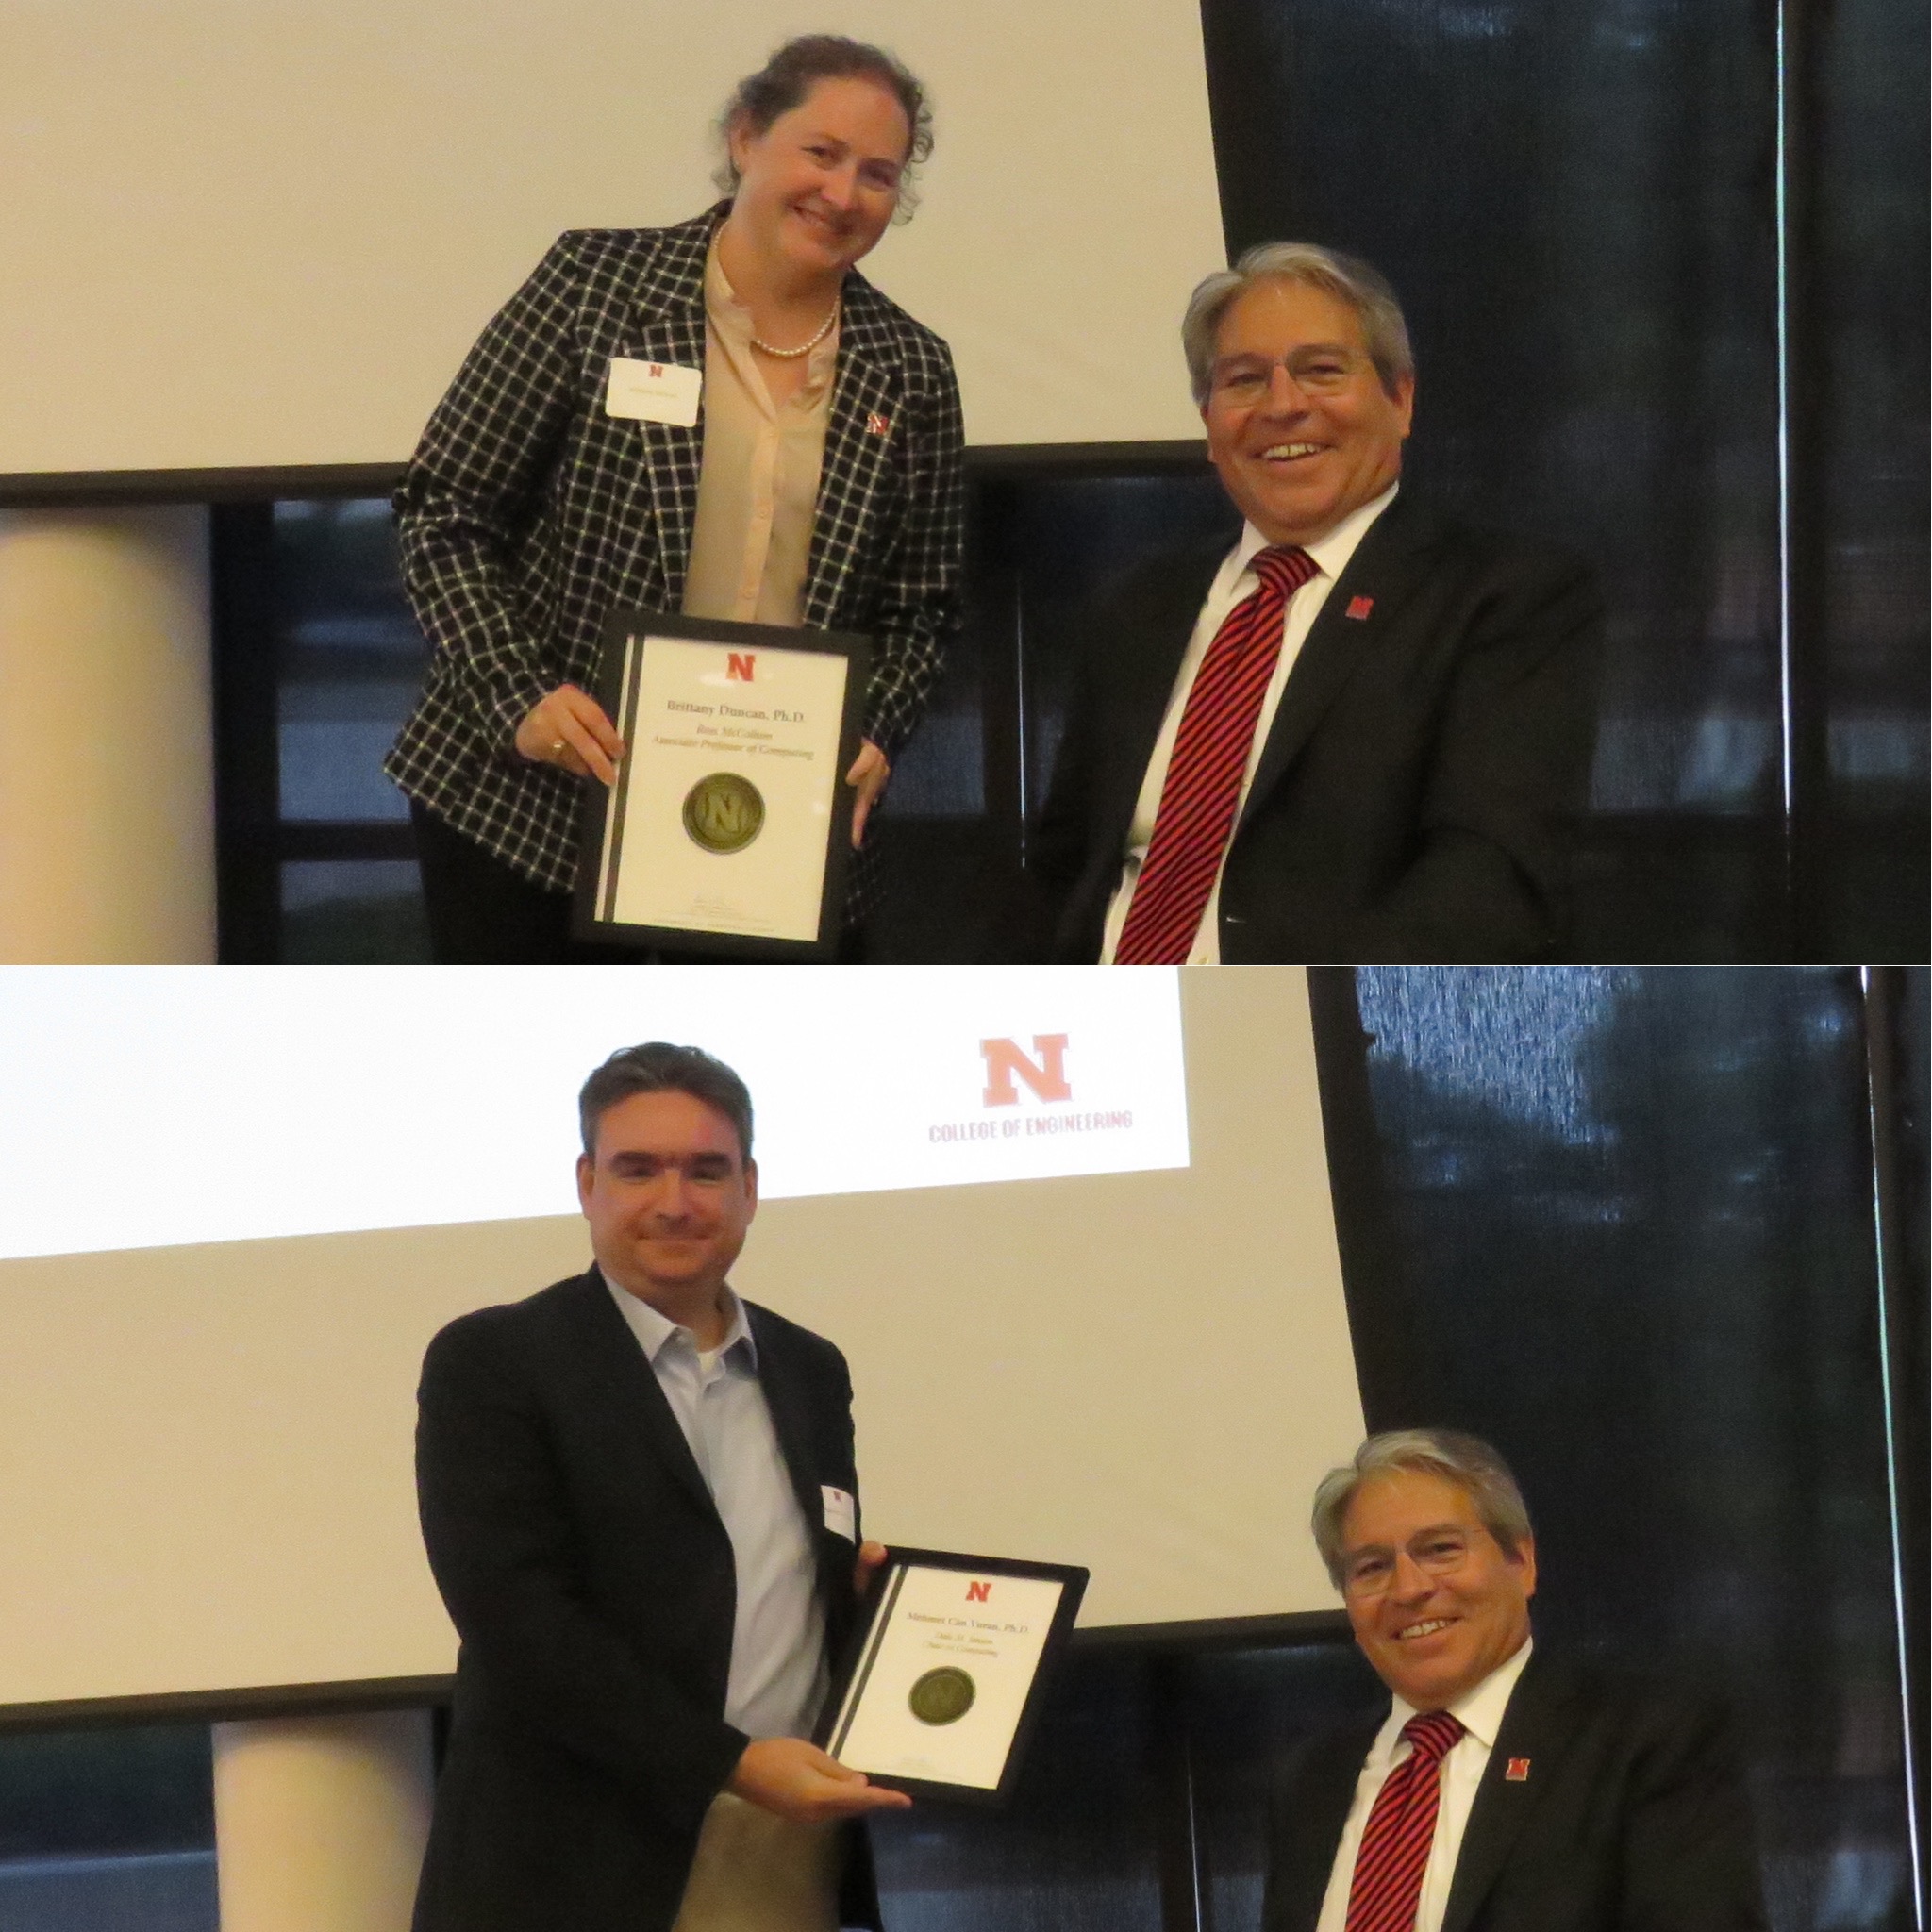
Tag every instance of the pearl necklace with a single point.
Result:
(803, 349)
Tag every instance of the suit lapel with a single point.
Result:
(1143, 666)
(1322, 1796)
(1391, 557)
(625, 1373)
(790, 1403)
(865, 395)
(668, 309)
(1534, 1728)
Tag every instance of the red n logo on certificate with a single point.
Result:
(738, 666)
(978, 1592)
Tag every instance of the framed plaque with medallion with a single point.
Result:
(729, 828)
(941, 1690)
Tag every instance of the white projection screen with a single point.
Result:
(1093, 1306)
(257, 233)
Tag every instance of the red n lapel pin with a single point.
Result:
(877, 425)
(1358, 607)
(1516, 1771)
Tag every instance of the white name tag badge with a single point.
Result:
(841, 1512)
(652, 392)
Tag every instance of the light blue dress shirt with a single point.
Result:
(778, 1673)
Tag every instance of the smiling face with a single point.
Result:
(817, 186)
(1435, 1602)
(669, 1198)
(1298, 451)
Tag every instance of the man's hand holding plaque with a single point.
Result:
(945, 1682)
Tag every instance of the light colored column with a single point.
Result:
(320, 1822)
(106, 743)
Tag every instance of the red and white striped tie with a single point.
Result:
(1203, 784)
(1388, 1882)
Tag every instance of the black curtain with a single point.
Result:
(1665, 267)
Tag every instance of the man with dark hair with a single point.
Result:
(639, 1501)
(655, 1067)
(1502, 1790)
(1359, 735)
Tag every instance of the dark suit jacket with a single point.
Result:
(1633, 1817)
(591, 1582)
(1412, 796)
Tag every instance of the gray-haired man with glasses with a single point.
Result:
(1358, 734)
(1502, 1789)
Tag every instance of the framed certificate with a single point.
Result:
(942, 1688)
(730, 824)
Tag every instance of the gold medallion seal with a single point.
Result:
(942, 1696)
(723, 813)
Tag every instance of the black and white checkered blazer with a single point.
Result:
(526, 515)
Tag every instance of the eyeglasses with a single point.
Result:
(1318, 371)
(1434, 1552)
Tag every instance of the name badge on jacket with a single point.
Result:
(841, 1512)
(652, 392)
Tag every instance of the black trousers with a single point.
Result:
(483, 912)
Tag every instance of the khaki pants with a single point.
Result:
(755, 1872)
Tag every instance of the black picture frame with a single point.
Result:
(862, 1646)
(620, 668)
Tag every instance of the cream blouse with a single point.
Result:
(751, 539)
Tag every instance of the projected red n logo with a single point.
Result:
(1006, 1063)
(978, 1592)
(737, 665)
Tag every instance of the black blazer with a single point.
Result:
(1413, 797)
(1633, 1817)
(591, 1580)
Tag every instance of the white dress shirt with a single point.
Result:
(778, 1672)
(1234, 581)
(1480, 1711)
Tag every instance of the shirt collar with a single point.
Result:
(720, 296)
(1480, 1709)
(1333, 550)
(654, 1330)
